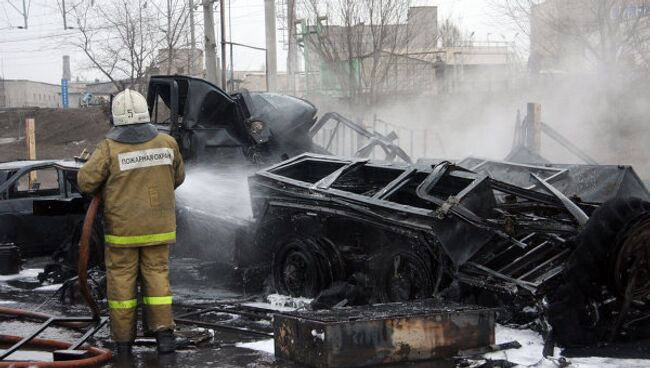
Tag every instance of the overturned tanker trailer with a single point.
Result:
(571, 242)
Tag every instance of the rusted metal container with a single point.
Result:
(381, 334)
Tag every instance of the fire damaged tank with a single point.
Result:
(571, 242)
(211, 125)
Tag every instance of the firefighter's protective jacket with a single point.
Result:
(137, 181)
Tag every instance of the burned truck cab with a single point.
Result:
(213, 126)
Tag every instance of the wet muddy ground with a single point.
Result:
(196, 283)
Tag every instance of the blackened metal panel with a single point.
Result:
(460, 239)
(591, 183)
(294, 340)
(382, 334)
(599, 183)
(283, 113)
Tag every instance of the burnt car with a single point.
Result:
(571, 242)
(42, 210)
(211, 125)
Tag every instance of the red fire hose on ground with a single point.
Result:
(98, 355)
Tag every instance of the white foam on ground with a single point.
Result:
(266, 346)
(595, 362)
(280, 303)
(532, 345)
(52, 287)
(29, 273)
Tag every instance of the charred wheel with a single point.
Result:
(304, 266)
(606, 283)
(630, 268)
(402, 274)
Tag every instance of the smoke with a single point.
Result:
(213, 209)
(218, 191)
(602, 114)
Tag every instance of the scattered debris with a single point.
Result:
(489, 349)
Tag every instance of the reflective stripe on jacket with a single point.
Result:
(137, 181)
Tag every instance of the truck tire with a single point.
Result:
(303, 267)
(401, 274)
(575, 308)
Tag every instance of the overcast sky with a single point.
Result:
(36, 53)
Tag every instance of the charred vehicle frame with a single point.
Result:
(42, 212)
(212, 126)
(499, 231)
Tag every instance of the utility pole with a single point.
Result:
(293, 46)
(24, 13)
(170, 51)
(65, 21)
(222, 8)
(271, 53)
(210, 42)
(192, 61)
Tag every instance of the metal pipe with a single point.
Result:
(39, 317)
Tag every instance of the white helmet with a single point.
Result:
(129, 107)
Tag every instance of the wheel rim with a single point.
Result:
(296, 268)
(633, 262)
(298, 275)
(407, 278)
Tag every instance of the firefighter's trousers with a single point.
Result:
(123, 265)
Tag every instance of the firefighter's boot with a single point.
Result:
(123, 349)
(166, 342)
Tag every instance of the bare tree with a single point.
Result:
(175, 13)
(122, 37)
(610, 35)
(450, 34)
(360, 41)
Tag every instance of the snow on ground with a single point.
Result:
(261, 345)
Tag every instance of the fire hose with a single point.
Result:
(98, 355)
(84, 254)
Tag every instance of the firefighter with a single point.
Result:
(136, 169)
